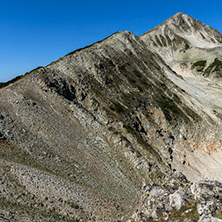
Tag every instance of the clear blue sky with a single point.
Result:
(36, 32)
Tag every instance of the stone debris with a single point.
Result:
(178, 199)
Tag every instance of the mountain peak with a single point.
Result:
(182, 39)
(180, 14)
(183, 19)
(184, 22)
(182, 26)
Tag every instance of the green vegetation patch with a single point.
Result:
(141, 141)
(144, 82)
(129, 129)
(187, 211)
(199, 65)
(140, 88)
(4, 84)
(123, 67)
(74, 206)
(111, 129)
(133, 132)
(127, 95)
(117, 107)
(215, 66)
(218, 215)
(138, 74)
(131, 80)
(169, 108)
(192, 114)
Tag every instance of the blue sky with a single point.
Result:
(36, 32)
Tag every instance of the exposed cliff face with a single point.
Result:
(79, 137)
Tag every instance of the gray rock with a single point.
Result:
(179, 202)
(176, 199)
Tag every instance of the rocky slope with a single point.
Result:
(79, 137)
(178, 199)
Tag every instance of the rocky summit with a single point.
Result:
(126, 129)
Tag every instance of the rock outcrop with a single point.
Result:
(178, 199)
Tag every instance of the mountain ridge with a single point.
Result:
(99, 122)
